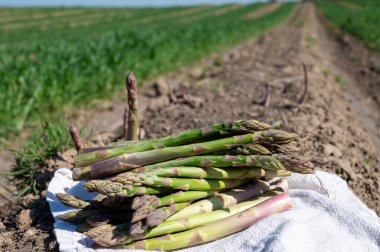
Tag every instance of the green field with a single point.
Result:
(56, 58)
(358, 17)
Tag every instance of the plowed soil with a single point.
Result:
(337, 121)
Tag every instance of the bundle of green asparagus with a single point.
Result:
(185, 189)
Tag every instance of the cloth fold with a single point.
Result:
(326, 216)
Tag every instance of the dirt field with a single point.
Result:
(337, 122)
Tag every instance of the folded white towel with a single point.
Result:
(326, 216)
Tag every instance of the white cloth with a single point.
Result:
(326, 216)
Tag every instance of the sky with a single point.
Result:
(119, 3)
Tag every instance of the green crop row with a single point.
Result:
(42, 76)
(358, 17)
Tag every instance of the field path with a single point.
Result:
(335, 121)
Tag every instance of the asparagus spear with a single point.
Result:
(133, 115)
(116, 234)
(134, 160)
(223, 200)
(190, 172)
(248, 149)
(72, 201)
(171, 199)
(108, 187)
(159, 215)
(215, 230)
(110, 146)
(237, 127)
(76, 138)
(294, 162)
(261, 161)
(78, 216)
(113, 189)
(125, 124)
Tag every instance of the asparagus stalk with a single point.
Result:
(133, 115)
(294, 162)
(223, 200)
(109, 146)
(125, 124)
(72, 201)
(216, 230)
(76, 138)
(249, 149)
(286, 149)
(237, 127)
(113, 189)
(171, 199)
(78, 216)
(190, 172)
(159, 215)
(260, 161)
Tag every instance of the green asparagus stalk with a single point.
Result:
(223, 200)
(159, 215)
(250, 149)
(116, 235)
(190, 172)
(236, 127)
(133, 115)
(110, 146)
(113, 189)
(260, 161)
(171, 199)
(215, 230)
(78, 216)
(286, 149)
(292, 162)
(134, 160)
(72, 201)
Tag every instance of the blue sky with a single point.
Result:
(135, 3)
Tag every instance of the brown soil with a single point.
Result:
(231, 86)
